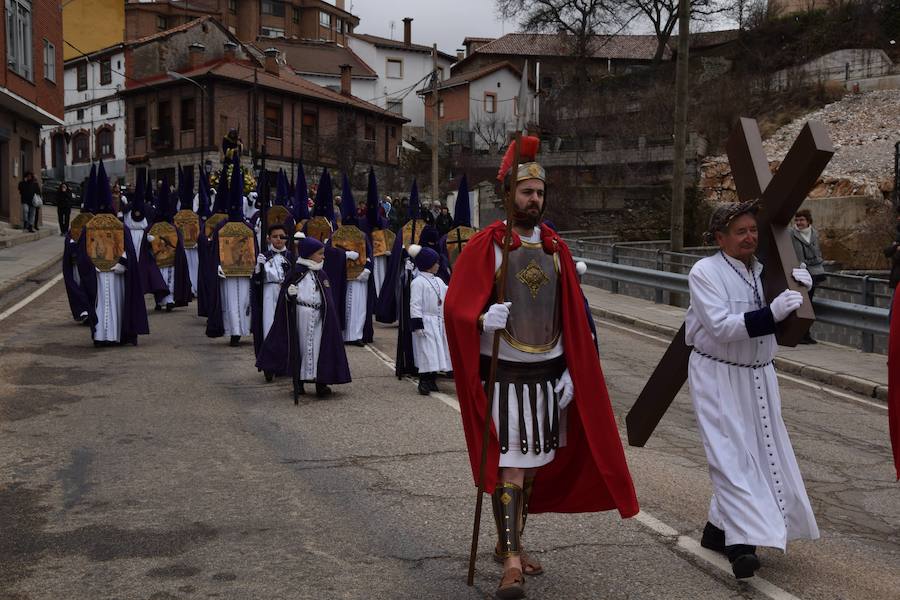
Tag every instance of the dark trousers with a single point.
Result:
(63, 215)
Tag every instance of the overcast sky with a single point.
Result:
(445, 22)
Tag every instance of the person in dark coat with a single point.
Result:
(63, 207)
(806, 246)
(444, 221)
(28, 188)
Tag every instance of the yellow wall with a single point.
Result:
(90, 25)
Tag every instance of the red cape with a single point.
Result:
(894, 380)
(589, 474)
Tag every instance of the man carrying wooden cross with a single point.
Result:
(758, 493)
(554, 446)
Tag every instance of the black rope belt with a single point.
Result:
(308, 305)
(731, 363)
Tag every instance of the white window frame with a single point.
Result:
(19, 38)
(325, 19)
(490, 97)
(49, 61)
(387, 69)
(440, 109)
(393, 103)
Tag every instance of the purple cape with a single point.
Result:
(152, 281)
(182, 292)
(215, 324)
(134, 313)
(257, 285)
(368, 327)
(79, 300)
(280, 351)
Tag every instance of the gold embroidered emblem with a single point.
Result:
(533, 277)
(505, 498)
(534, 170)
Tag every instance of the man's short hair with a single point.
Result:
(276, 226)
(805, 214)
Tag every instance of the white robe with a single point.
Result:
(379, 270)
(193, 261)
(514, 457)
(309, 326)
(275, 269)
(109, 307)
(426, 302)
(137, 229)
(356, 307)
(758, 494)
(235, 296)
(168, 275)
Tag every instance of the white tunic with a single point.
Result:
(356, 307)
(379, 270)
(426, 302)
(758, 493)
(514, 457)
(309, 325)
(274, 268)
(109, 307)
(168, 275)
(137, 229)
(193, 261)
(235, 296)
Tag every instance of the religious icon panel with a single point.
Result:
(188, 223)
(351, 237)
(105, 241)
(382, 241)
(164, 244)
(237, 252)
(76, 227)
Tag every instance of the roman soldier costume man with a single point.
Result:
(758, 494)
(554, 445)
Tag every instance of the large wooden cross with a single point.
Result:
(780, 196)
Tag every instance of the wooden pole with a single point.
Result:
(509, 201)
(436, 126)
(681, 101)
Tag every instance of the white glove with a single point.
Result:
(802, 276)
(566, 389)
(387, 252)
(119, 269)
(261, 259)
(409, 266)
(785, 303)
(352, 255)
(496, 316)
(151, 238)
(293, 290)
(364, 276)
(220, 272)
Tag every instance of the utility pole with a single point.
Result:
(436, 131)
(681, 101)
(253, 113)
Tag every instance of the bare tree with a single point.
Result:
(663, 16)
(580, 19)
(490, 128)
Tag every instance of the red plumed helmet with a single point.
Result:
(528, 153)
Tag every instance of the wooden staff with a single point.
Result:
(509, 202)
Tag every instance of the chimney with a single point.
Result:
(346, 79)
(460, 54)
(230, 51)
(272, 61)
(195, 55)
(341, 4)
(407, 31)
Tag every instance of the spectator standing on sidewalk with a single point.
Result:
(63, 207)
(806, 246)
(28, 187)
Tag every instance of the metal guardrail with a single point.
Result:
(868, 320)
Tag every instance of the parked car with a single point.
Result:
(50, 187)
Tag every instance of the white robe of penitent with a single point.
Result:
(426, 302)
(356, 307)
(110, 306)
(137, 230)
(758, 494)
(193, 261)
(274, 269)
(310, 324)
(379, 270)
(235, 297)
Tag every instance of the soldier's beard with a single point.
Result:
(528, 218)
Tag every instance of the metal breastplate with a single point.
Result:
(532, 285)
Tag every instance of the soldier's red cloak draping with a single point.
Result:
(589, 474)
(894, 380)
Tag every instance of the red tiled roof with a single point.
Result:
(398, 45)
(707, 39)
(320, 58)
(286, 81)
(470, 76)
(630, 47)
(183, 27)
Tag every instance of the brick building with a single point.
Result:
(189, 85)
(31, 91)
(247, 19)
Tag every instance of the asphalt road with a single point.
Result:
(172, 470)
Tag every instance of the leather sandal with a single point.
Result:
(512, 585)
(531, 566)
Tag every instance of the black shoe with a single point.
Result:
(424, 388)
(98, 344)
(235, 341)
(269, 376)
(157, 308)
(432, 384)
(713, 538)
(808, 339)
(170, 307)
(322, 390)
(299, 391)
(743, 559)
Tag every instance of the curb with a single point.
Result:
(842, 381)
(23, 277)
(25, 238)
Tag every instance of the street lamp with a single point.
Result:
(177, 75)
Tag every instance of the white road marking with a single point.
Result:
(784, 376)
(685, 543)
(30, 298)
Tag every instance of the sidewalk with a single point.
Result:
(24, 255)
(838, 366)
